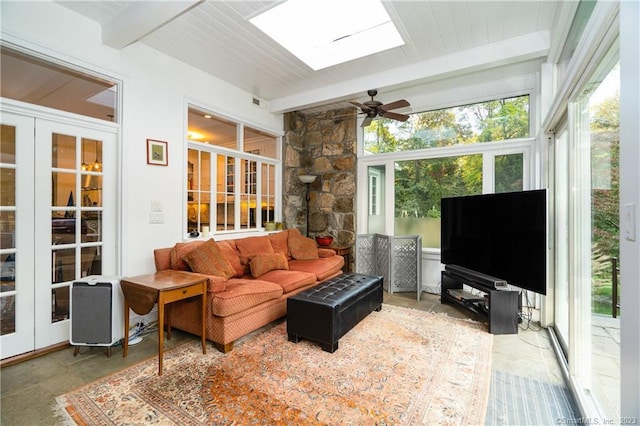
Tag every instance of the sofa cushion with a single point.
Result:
(262, 263)
(279, 242)
(208, 259)
(322, 268)
(302, 247)
(242, 294)
(326, 252)
(249, 246)
(229, 250)
(180, 250)
(289, 280)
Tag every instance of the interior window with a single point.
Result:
(231, 175)
(33, 80)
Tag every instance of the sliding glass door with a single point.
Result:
(586, 220)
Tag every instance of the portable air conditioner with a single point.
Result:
(97, 311)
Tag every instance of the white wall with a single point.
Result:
(630, 194)
(156, 89)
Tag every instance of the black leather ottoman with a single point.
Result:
(329, 310)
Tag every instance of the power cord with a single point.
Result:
(139, 332)
(527, 316)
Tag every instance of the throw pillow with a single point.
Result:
(262, 263)
(279, 242)
(228, 248)
(209, 260)
(302, 247)
(249, 246)
(180, 251)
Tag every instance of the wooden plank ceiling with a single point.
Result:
(443, 39)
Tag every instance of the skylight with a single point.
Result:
(328, 32)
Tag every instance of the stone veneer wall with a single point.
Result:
(321, 144)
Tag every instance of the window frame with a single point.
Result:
(239, 158)
(489, 151)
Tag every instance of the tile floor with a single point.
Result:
(29, 388)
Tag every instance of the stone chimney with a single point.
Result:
(321, 144)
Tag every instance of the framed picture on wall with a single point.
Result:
(157, 152)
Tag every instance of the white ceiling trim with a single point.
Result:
(518, 49)
(139, 18)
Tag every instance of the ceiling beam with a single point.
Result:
(140, 18)
(519, 49)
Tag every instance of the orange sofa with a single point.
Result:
(250, 280)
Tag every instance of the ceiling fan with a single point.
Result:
(373, 109)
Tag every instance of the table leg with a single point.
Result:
(125, 339)
(204, 317)
(160, 332)
(167, 320)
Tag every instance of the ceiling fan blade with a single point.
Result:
(366, 121)
(393, 105)
(363, 107)
(395, 116)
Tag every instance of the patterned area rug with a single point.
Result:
(397, 366)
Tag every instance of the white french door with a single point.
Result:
(17, 235)
(60, 228)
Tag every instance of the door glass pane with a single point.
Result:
(90, 263)
(8, 183)
(7, 229)
(561, 210)
(376, 194)
(419, 186)
(7, 315)
(63, 155)
(63, 227)
(63, 189)
(76, 215)
(7, 272)
(64, 265)
(508, 173)
(8, 145)
(60, 304)
(91, 180)
(91, 227)
(604, 106)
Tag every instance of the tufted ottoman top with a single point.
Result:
(339, 290)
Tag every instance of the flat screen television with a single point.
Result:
(502, 235)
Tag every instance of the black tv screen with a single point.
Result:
(502, 235)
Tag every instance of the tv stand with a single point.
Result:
(498, 307)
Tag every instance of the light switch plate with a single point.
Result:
(629, 222)
(155, 218)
